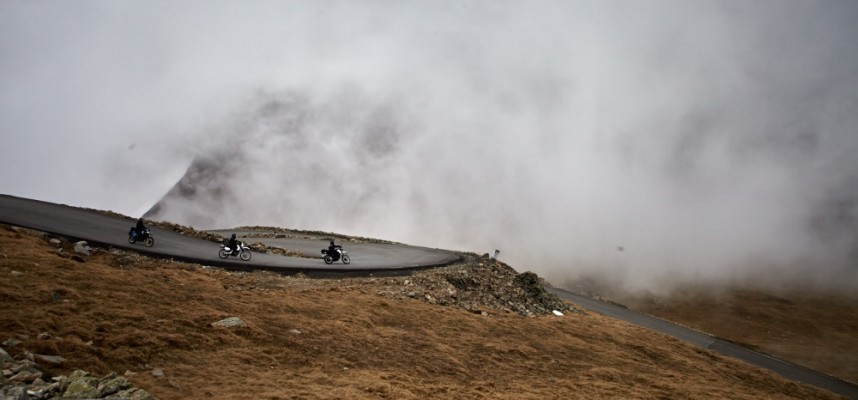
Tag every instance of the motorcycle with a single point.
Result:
(145, 237)
(336, 255)
(243, 252)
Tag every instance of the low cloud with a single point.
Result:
(641, 145)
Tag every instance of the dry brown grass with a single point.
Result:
(817, 331)
(322, 339)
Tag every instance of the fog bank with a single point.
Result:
(640, 144)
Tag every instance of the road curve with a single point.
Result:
(98, 227)
(785, 369)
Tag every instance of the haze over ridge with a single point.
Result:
(645, 143)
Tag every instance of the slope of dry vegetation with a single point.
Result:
(819, 331)
(337, 338)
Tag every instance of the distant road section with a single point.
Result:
(110, 230)
(783, 368)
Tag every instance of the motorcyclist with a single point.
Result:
(332, 250)
(233, 244)
(139, 228)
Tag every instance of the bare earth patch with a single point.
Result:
(151, 320)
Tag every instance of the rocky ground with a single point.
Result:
(25, 379)
(474, 330)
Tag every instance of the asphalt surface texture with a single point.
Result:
(98, 227)
(785, 369)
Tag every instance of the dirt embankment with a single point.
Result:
(151, 321)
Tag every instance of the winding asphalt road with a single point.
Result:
(101, 228)
(98, 227)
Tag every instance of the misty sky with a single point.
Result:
(638, 141)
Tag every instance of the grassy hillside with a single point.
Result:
(374, 338)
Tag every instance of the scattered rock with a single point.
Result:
(229, 322)
(158, 373)
(477, 284)
(5, 357)
(17, 273)
(54, 241)
(26, 376)
(294, 331)
(81, 386)
(17, 393)
(46, 359)
(24, 379)
(111, 384)
(132, 394)
(82, 247)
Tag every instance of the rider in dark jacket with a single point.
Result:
(140, 227)
(233, 244)
(332, 250)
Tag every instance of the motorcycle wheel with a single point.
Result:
(131, 239)
(150, 241)
(245, 255)
(346, 259)
(223, 253)
(329, 260)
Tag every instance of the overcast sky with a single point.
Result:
(639, 140)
